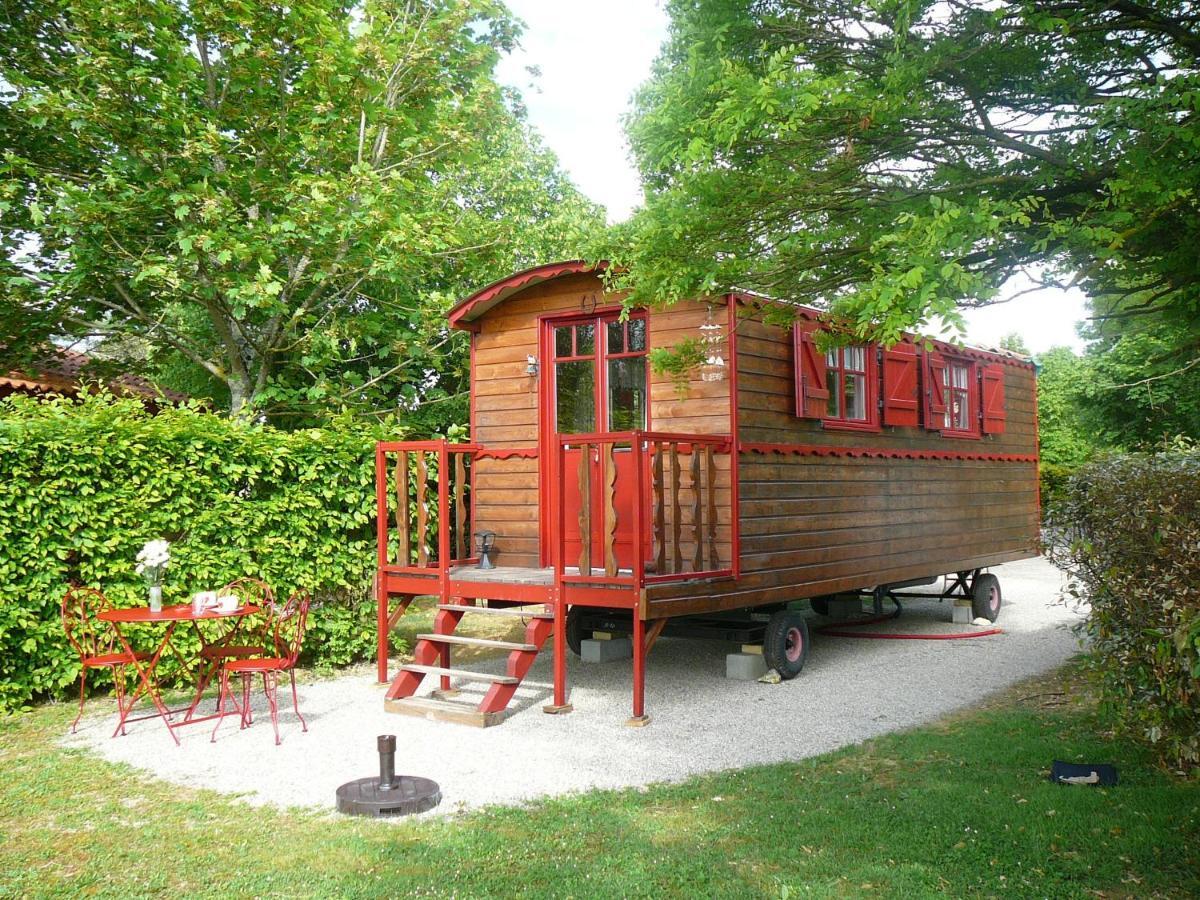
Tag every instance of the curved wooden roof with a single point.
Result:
(470, 309)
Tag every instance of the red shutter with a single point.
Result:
(935, 393)
(993, 399)
(812, 388)
(900, 391)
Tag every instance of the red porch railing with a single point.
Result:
(423, 496)
(674, 493)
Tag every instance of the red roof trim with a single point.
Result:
(882, 452)
(466, 311)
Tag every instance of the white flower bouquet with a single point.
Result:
(152, 561)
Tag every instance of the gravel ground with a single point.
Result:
(850, 690)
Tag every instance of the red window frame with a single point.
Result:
(599, 354)
(970, 392)
(836, 383)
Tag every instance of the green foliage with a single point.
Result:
(1141, 386)
(1127, 536)
(678, 362)
(86, 485)
(1014, 342)
(1066, 429)
(1052, 482)
(275, 207)
(889, 159)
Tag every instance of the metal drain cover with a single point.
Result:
(388, 794)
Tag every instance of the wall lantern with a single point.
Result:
(486, 541)
(531, 366)
(711, 341)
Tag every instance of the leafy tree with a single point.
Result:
(1014, 342)
(282, 199)
(1136, 391)
(897, 159)
(1066, 436)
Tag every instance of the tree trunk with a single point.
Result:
(239, 396)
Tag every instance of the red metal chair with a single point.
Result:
(238, 644)
(287, 631)
(95, 642)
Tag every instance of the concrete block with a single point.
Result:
(604, 651)
(745, 666)
(962, 612)
(845, 606)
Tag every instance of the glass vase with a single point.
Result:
(156, 598)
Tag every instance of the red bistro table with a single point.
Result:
(171, 616)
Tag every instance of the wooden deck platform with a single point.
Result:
(503, 575)
(516, 574)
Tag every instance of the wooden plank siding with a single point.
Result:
(505, 404)
(816, 524)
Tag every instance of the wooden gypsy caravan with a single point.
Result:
(609, 496)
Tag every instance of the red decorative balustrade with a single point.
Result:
(423, 505)
(640, 507)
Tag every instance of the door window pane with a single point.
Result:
(585, 339)
(627, 393)
(562, 341)
(616, 337)
(575, 397)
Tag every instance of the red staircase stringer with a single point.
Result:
(519, 663)
(425, 653)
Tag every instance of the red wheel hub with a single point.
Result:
(795, 644)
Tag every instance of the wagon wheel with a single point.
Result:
(820, 605)
(785, 644)
(575, 629)
(985, 597)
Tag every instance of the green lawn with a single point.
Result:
(961, 808)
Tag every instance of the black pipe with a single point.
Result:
(387, 762)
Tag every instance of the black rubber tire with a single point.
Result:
(575, 629)
(986, 598)
(785, 644)
(820, 605)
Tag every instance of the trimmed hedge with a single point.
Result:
(86, 484)
(1129, 537)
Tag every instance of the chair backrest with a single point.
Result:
(289, 624)
(251, 590)
(87, 634)
(257, 629)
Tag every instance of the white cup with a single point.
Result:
(202, 600)
(228, 603)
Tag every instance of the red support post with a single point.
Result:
(639, 537)
(381, 624)
(381, 539)
(639, 671)
(558, 595)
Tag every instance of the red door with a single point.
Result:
(599, 384)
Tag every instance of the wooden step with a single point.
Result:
(475, 642)
(444, 711)
(495, 611)
(464, 674)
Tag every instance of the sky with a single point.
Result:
(593, 54)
